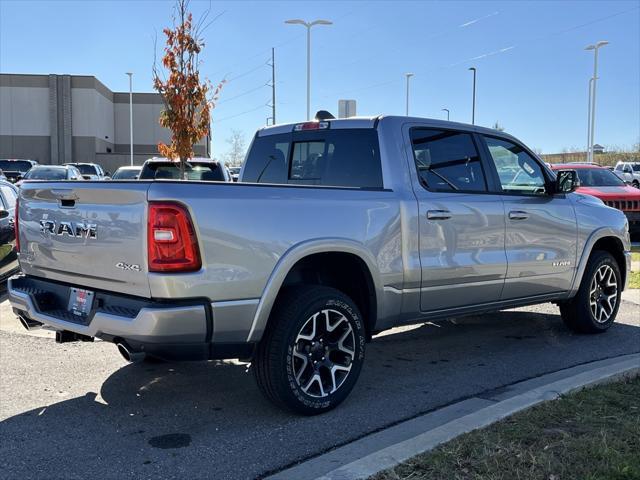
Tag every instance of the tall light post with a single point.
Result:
(589, 119)
(408, 75)
(595, 48)
(446, 110)
(131, 114)
(308, 25)
(473, 106)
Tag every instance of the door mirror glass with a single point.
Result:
(567, 181)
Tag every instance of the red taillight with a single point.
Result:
(171, 239)
(16, 228)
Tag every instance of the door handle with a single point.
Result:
(518, 215)
(438, 214)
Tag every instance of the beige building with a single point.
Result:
(74, 118)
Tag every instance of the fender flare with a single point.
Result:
(291, 257)
(596, 235)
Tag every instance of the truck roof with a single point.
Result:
(373, 121)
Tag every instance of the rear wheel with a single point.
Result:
(311, 355)
(595, 306)
(636, 184)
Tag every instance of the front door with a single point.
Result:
(541, 230)
(461, 224)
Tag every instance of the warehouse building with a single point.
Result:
(75, 118)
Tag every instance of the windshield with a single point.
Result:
(46, 173)
(14, 165)
(126, 174)
(86, 169)
(598, 177)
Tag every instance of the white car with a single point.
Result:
(629, 172)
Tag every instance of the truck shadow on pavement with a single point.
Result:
(209, 419)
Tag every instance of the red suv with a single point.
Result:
(608, 187)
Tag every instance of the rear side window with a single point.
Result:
(447, 160)
(338, 158)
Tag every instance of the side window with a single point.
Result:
(519, 172)
(447, 161)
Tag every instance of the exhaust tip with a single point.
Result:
(128, 355)
(29, 324)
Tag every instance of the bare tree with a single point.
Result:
(497, 126)
(237, 149)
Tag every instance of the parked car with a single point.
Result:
(629, 172)
(337, 230)
(235, 173)
(608, 187)
(208, 169)
(14, 169)
(8, 256)
(51, 172)
(91, 171)
(127, 173)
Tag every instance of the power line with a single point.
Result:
(239, 114)
(247, 92)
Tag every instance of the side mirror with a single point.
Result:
(4, 214)
(566, 181)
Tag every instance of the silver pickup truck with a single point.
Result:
(337, 230)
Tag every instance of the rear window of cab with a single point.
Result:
(337, 158)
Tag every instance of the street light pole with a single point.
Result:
(592, 127)
(446, 110)
(473, 107)
(308, 25)
(131, 115)
(589, 119)
(408, 75)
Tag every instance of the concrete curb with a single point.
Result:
(340, 464)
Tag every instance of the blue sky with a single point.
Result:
(532, 67)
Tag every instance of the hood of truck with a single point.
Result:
(88, 234)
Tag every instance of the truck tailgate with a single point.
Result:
(89, 234)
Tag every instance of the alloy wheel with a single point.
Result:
(323, 353)
(603, 294)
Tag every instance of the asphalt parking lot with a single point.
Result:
(78, 410)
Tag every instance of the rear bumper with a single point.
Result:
(180, 330)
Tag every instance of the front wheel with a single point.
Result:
(595, 306)
(635, 183)
(312, 352)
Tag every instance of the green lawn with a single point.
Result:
(589, 435)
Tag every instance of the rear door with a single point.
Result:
(461, 223)
(541, 229)
(89, 234)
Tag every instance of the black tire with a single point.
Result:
(275, 364)
(635, 183)
(577, 313)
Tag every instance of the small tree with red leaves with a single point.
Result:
(188, 101)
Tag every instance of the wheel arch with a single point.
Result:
(605, 239)
(321, 251)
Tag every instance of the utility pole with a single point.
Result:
(131, 114)
(473, 106)
(446, 110)
(273, 86)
